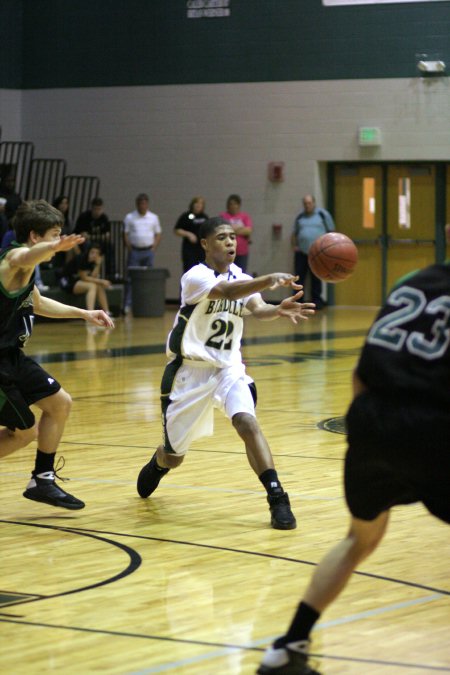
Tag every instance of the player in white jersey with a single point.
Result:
(205, 369)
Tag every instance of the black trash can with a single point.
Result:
(148, 288)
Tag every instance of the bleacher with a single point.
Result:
(44, 178)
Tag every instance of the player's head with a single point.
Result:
(38, 217)
(218, 239)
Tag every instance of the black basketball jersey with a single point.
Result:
(407, 350)
(16, 312)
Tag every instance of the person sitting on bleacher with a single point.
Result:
(95, 227)
(82, 275)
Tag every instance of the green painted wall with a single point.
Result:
(80, 43)
(11, 28)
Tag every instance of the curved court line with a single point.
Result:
(133, 565)
(401, 582)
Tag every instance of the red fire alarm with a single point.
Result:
(276, 172)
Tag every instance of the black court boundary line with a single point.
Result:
(89, 532)
(133, 565)
(149, 449)
(203, 643)
(259, 554)
(140, 350)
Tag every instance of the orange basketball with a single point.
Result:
(333, 257)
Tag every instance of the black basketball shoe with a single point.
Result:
(149, 477)
(280, 508)
(43, 488)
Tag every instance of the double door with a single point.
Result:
(391, 213)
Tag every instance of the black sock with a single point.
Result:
(269, 478)
(301, 626)
(44, 462)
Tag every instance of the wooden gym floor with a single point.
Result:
(194, 581)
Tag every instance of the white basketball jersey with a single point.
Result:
(204, 329)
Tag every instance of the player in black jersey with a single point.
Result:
(398, 452)
(22, 381)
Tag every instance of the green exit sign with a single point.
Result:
(369, 136)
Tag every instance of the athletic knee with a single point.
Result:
(245, 424)
(62, 404)
(364, 543)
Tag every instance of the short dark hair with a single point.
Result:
(97, 201)
(210, 225)
(141, 197)
(234, 198)
(35, 216)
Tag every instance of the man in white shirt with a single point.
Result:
(142, 234)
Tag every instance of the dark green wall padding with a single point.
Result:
(95, 43)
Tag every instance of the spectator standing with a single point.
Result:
(188, 226)
(142, 234)
(309, 225)
(242, 225)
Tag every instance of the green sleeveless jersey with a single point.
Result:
(16, 311)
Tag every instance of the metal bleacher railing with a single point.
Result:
(45, 179)
(42, 178)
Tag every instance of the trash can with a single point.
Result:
(148, 288)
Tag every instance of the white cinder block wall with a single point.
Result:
(178, 141)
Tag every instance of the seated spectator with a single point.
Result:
(61, 202)
(8, 192)
(82, 275)
(95, 227)
(3, 218)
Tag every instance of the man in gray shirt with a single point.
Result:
(309, 225)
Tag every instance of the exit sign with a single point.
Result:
(369, 136)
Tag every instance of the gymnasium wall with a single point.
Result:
(202, 106)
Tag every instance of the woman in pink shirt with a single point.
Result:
(242, 225)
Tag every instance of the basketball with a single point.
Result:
(333, 257)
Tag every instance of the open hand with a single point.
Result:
(99, 318)
(293, 310)
(68, 241)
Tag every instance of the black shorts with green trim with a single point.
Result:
(22, 383)
(398, 453)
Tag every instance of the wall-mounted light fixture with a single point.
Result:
(435, 67)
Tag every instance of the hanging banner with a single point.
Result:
(208, 9)
(335, 3)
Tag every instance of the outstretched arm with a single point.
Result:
(289, 308)
(234, 290)
(53, 309)
(25, 257)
